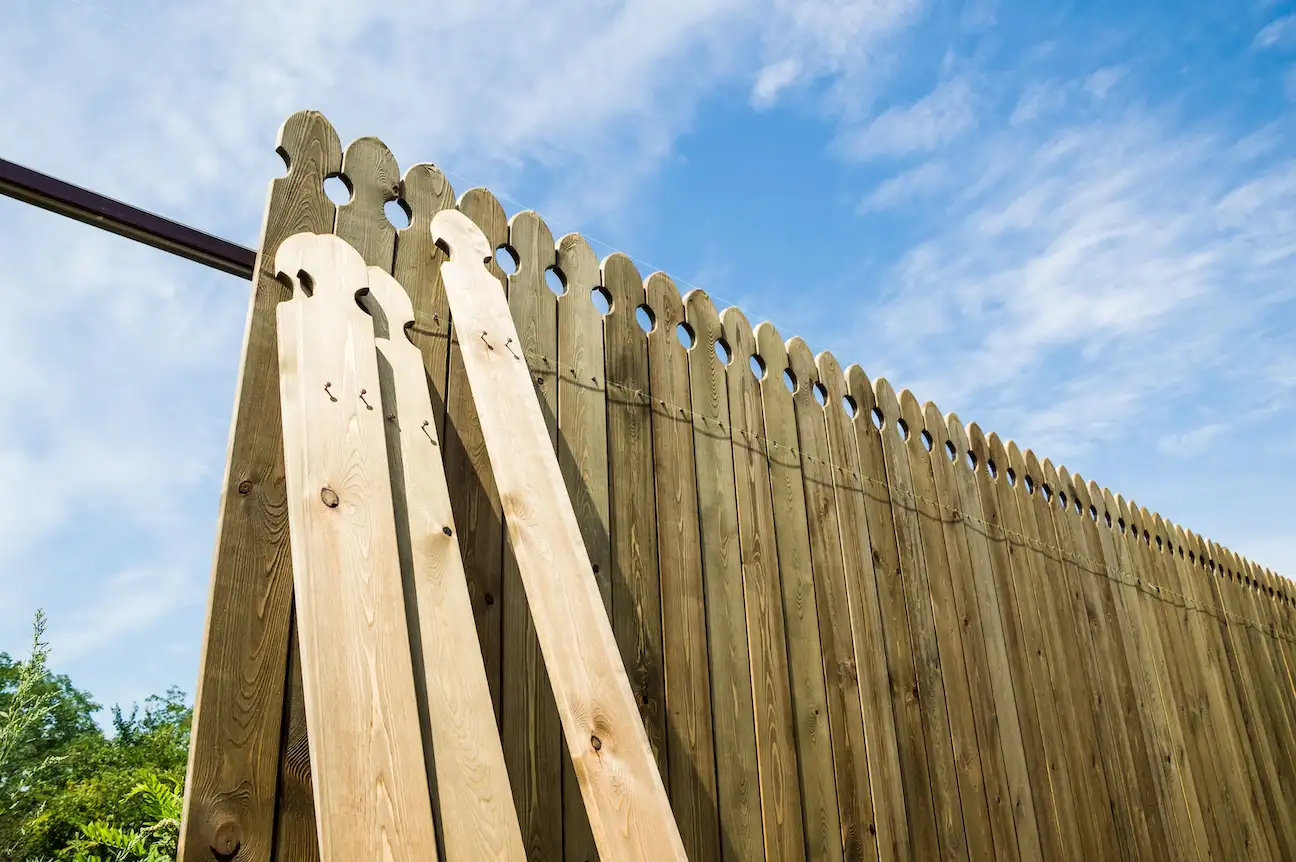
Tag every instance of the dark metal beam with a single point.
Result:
(92, 208)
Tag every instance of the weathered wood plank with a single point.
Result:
(624, 795)
(922, 627)
(532, 733)
(370, 784)
(239, 701)
(636, 588)
(947, 511)
(461, 747)
(948, 630)
(902, 678)
(834, 597)
(741, 828)
(783, 737)
(468, 471)
(888, 829)
(583, 457)
(690, 742)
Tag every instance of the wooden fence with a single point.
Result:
(855, 627)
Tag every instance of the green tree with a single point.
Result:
(65, 785)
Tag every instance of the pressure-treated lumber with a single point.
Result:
(371, 791)
(623, 792)
(477, 816)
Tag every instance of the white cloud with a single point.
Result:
(772, 80)
(944, 114)
(1099, 84)
(1275, 32)
(1192, 442)
(906, 187)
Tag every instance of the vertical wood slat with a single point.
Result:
(1016, 721)
(834, 606)
(948, 632)
(799, 593)
(796, 822)
(532, 733)
(464, 758)
(690, 744)
(370, 780)
(636, 588)
(944, 459)
(738, 782)
(583, 456)
(619, 782)
(239, 701)
(901, 659)
(931, 689)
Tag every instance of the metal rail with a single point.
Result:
(94, 209)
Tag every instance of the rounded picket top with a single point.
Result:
(370, 171)
(832, 378)
(460, 238)
(485, 211)
(979, 446)
(393, 303)
(703, 319)
(888, 405)
(323, 268)
(1083, 491)
(621, 279)
(663, 297)
(773, 353)
(802, 363)
(1027, 480)
(738, 335)
(426, 192)
(934, 424)
(957, 435)
(532, 244)
(997, 452)
(1061, 495)
(911, 413)
(310, 148)
(860, 388)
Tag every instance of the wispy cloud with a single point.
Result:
(943, 115)
(1276, 32)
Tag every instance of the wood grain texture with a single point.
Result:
(583, 458)
(792, 829)
(370, 785)
(533, 745)
(1070, 688)
(963, 611)
(632, 514)
(833, 597)
(1014, 715)
(690, 738)
(460, 742)
(239, 700)
(624, 795)
(902, 674)
(741, 826)
(922, 627)
(871, 659)
(948, 627)
(468, 470)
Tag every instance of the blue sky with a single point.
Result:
(1074, 223)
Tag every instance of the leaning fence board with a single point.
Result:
(623, 792)
(231, 786)
(532, 733)
(371, 791)
(477, 817)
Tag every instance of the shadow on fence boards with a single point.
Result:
(855, 627)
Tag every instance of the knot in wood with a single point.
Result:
(596, 743)
(226, 841)
(447, 531)
(245, 487)
(330, 497)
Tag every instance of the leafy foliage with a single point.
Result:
(68, 791)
